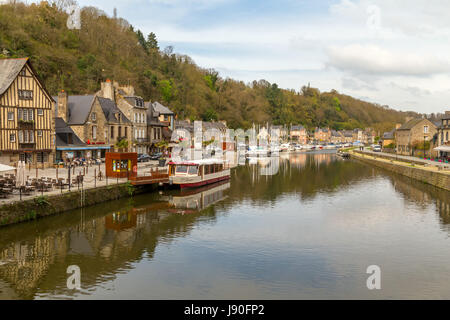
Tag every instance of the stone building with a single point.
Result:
(134, 108)
(27, 119)
(166, 116)
(322, 135)
(154, 128)
(444, 136)
(412, 134)
(347, 136)
(337, 137)
(97, 121)
(299, 134)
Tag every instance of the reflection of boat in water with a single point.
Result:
(194, 200)
(196, 173)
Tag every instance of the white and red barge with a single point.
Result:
(197, 173)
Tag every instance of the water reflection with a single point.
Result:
(276, 254)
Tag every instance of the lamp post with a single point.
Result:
(424, 137)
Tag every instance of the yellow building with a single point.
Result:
(27, 115)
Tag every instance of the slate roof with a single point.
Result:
(347, 133)
(79, 108)
(152, 116)
(158, 107)
(335, 133)
(62, 129)
(390, 135)
(410, 124)
(297, 127)
(9, 70)
(110, 108)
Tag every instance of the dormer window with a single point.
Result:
(94, 116)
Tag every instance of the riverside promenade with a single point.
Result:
(90, 181)
(429, 172)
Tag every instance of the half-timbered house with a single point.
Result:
(27, 121)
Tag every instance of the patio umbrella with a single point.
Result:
(20, 175)
(4, 167)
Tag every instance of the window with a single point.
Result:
(135, 117)
(94, 132)
(12, 137)
(39, 133)
(193, 170)
(25, 94)
(120, 132)
(20, 136)
(94, 116)
(40, 112)
(23, 72)
(126, 132)
(446, 136)
(11, 116)
(30, 136)
(181, 169)
(425, 129)
(25, 114)
(41, 157)
(112, 132)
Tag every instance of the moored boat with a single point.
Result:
(196, 173)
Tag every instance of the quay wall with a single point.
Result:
(42, 206)
(435, 178)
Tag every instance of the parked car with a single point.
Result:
(144, 158)
(156, 156)
(376, 148)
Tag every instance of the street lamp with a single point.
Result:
(424, 137)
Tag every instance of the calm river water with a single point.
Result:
(308, 232)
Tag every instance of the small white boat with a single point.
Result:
(255, 151)
(196, 173)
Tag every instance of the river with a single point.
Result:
(308, 232)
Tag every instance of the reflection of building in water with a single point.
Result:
(121, 220)
(198, 199)
(424, 196)
(34, 261)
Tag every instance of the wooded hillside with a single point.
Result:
(107, 47)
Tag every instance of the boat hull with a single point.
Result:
(203, 182)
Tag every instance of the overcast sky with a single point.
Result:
(384, 51)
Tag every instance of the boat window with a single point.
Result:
(193, 169)
(182, 169)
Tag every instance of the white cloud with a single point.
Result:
(373, 60)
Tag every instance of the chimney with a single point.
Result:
(398, 125)
(62, 108)
(107, 90)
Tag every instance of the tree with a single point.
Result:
(166, 89)
(141, 40)
(152, 42)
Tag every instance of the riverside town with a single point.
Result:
(160, 154)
